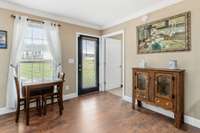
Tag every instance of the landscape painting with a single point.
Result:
(166, 35)
(3, 39)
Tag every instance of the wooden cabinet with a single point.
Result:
(160, 87)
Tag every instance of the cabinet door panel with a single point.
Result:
(142, 84)
(164, 85)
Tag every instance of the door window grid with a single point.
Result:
(89, 63)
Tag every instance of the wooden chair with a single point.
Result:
(21, 101)
(51, 95)
(61, 75)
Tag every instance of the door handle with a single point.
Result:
(79, 69)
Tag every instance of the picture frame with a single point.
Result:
(170, 34)
(3, 39)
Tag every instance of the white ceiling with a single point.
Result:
(97, 13)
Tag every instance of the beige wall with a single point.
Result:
(186, 60)
(118, 37)
(68, 41)
(190, 61)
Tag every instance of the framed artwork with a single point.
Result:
(167, 35)
(3, 39)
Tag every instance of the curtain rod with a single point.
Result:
(33, 20)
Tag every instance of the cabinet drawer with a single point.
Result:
(141, 97)
(141, 93)
(164, 103)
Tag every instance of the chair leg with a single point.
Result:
(27, 111)
(61, 101)
(59, 104)
(17, 111)
(25, 106)
(52, 100)
(44, 106)
(40, 106)
(37, 104)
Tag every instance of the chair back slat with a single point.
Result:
(17, 87)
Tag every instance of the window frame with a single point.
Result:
(36, 60)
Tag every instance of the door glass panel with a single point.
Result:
(142, 81)
(164, 85)
(89, 63)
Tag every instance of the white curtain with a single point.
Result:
(20, 26)
(52, 31)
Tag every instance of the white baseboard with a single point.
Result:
(187, 119)
(69, 96)
(6, 110)
(192, 121)
(127, 98)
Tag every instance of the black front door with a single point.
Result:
(88, 64)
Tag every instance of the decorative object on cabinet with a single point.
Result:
(3, 39)
(172, 64)
(142, 63)
(166, 35)
(160, 87)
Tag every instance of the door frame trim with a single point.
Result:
(120, 32)
(76, 57)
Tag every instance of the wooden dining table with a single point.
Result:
(29, 87)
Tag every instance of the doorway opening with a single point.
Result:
(88, 64)
(114, 63)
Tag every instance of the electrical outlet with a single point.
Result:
(67, 87)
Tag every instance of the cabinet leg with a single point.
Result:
(139, 103)
(178, 119)
(133, 103)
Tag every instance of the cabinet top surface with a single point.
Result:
(159, 69)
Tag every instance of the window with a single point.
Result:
(36, 62)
